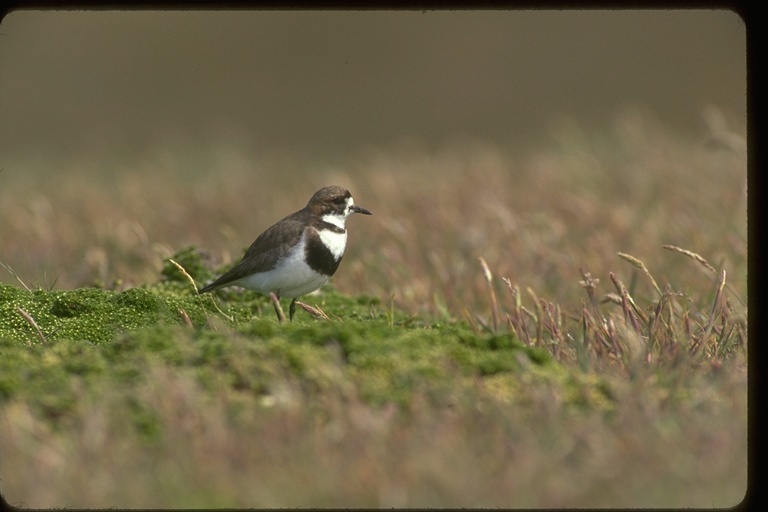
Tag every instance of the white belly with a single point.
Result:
(291, 278)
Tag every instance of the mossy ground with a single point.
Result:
(99, 338)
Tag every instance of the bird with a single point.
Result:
(298, 254)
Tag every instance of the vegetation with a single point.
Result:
(563, 329)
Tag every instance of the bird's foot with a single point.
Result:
(278, 308)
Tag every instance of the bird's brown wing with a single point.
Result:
(270, 247)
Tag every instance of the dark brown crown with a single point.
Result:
(329, 200)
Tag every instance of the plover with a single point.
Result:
(298, 254)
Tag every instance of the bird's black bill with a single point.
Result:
(359, 209)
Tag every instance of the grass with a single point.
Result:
(566, 328)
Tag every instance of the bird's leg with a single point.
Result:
(292, 309)
(279, 310)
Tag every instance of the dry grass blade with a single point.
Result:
(194, 287)
(215, 305)
(314, 311)
(725, 336)
(31, 321)
(720, 285)
(185, 317)
(486, 270)
(671, 330)
(538, 316)
(471, 320)
(628, 305)
(692, 255)
(610, 328)
(639, 264)
(494, 302)
(599, 329)
(611, 297)
(668, 313)
(185, 274)
(706, 265)
(518, 317)
(637, 310)
(654, 320)
(511, 326)
(530, 314)
(590, 284)
(555, 316)
(715, 306)
(10, 271)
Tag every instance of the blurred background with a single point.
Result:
(113, 86)
(545, 141)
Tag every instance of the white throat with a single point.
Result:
(335, 242)
(337, 220)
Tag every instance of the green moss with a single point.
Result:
(192, 261)
(91, 314)
(91, 340)
(71, 306)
